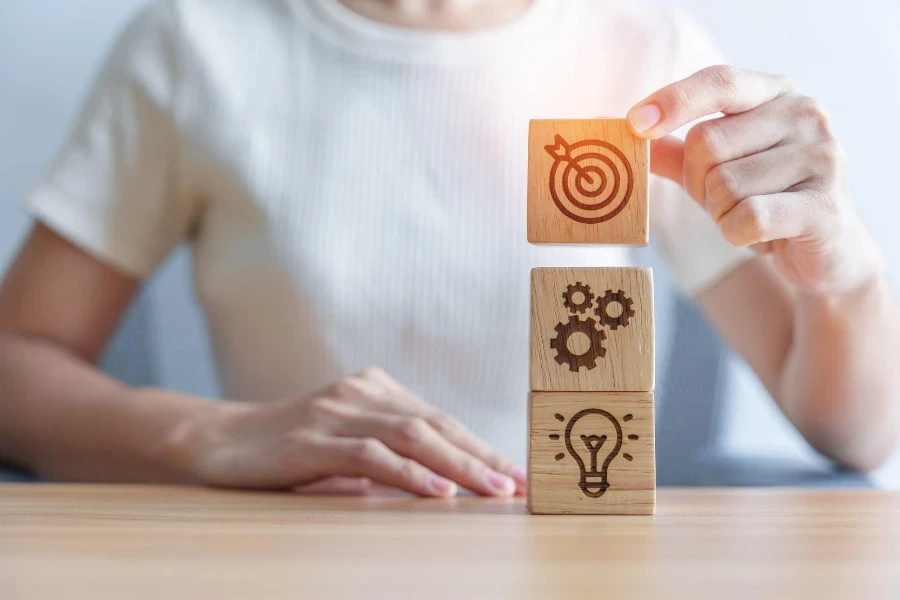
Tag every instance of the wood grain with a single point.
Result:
(587, 182)
(144, 542)
(558, 484)
(627, 364)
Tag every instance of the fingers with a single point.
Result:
(667, 158)
(383, 378)
(337, 486)
(709, 91)
(371, 458)
(346, 486)
(787, 121)
(372, 387)
(415, 438)
(760, 219)
(719, 141)
(784, 193)
(460, 436)
(374, 390)
(360, 389)
(769, 172)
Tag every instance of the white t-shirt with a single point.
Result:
(354, 192)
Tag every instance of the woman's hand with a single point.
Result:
(770, 173)
(362, 430)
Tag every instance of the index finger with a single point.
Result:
(401, 401)
(709, 91)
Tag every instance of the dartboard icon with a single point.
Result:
(591, 181)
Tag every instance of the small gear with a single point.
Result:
(603, 304)
(589, 358)
(570, 292)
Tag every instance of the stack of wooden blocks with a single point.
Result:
(591, 442)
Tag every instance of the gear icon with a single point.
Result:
(589, 358)
(578, 307)
(603, 312)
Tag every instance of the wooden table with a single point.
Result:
(123, 542)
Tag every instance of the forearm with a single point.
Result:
(831, 363)
(840, 382)
(63, 419)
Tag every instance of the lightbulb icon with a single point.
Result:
(593, 450)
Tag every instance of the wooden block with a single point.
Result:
(592, 329)
(591, 453)
(587, 183)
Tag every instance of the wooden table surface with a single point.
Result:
(76, 541)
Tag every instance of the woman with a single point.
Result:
(351, 177)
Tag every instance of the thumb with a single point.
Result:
(667, 158)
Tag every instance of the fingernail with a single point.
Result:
(644, 117)
(520, 475)
(500, 482)
(441, 486)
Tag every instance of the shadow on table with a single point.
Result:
(11, 474)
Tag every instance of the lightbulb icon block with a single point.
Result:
(592, 330)
(587, 183)
(591, 453)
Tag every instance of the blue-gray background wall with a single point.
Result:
(846, 53)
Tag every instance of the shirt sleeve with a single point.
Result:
(111, 189)
(688, 238)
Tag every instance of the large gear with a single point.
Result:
(589, 358)
(602, 309)
(578, 307)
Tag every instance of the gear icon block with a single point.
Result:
(592, 329)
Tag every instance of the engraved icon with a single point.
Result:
(591, 181)
(577, 298)
(593, 447)
(587, 358)
(602, 310)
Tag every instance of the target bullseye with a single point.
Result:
(591, 181)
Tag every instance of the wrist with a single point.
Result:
(851, 264)
(190, 443)
(869, 265)
(867, 287)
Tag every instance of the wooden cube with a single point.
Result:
(592, 330)
(591, 453)
(587, 183)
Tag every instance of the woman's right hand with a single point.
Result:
(363, 429)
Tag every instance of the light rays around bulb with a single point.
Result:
(631, 437)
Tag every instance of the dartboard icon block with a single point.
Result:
(592, 330)
(587, 182)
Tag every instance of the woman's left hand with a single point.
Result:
(770, 172)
